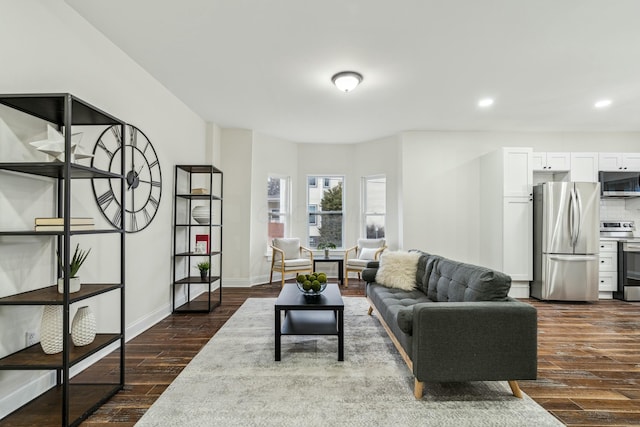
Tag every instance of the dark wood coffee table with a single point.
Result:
(323, 315)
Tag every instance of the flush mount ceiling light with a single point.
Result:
(347, 81)
(485, 102)
(603, 103)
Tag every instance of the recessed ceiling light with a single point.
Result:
(347, 81)
(485, 102)
(603, 103)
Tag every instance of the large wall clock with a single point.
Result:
(143, 183)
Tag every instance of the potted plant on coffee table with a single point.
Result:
(326, 246)
(204, 269)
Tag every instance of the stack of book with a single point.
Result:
(57, 224)
(199, 191)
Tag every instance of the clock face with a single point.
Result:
(143, 183)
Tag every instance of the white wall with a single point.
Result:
(441, 181)
(48, 48)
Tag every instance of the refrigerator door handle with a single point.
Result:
(572, 216)
(574, 257)
(579, 219)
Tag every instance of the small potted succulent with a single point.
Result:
(326, 246)
(204, 269)
(79, 257)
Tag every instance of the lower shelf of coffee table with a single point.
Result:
(310, 322)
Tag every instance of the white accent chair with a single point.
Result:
(289, 256)
(357, 257)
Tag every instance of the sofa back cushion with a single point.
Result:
(454, 281)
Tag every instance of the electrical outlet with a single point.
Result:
(30, 338)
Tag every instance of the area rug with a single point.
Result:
(234, 381)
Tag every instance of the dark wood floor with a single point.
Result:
(588, 370)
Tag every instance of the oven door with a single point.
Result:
(629, 286)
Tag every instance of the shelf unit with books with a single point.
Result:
(197, 237)
(69, 401)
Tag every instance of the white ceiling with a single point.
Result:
(266, 65)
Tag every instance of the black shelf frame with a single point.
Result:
(182, 173)
(75, 401)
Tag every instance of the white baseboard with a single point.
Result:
(605, 295)
(26, 393)
(519, 290)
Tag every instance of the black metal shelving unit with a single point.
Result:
(185, 228)
(68, 402)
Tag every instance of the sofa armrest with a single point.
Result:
(369, 273)
(474, 341)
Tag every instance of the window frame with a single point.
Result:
(284, 216)
(365, 214)
(319, 214)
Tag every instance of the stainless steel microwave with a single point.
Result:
(619, 184)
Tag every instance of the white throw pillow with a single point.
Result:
(398, 270)
(368, 253)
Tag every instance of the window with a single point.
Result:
(313, 220)
(277, 207)
(312, 181)
(325, 206)
(374, 193)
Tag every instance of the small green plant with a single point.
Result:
(203, 266)
(79, 256)
(326, 245)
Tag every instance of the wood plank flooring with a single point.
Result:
(588, 371)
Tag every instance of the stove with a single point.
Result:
(628, 258)
(621, 230)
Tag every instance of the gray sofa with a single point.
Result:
(458, 324)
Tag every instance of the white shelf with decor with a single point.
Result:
(197, 239)
(69, 401)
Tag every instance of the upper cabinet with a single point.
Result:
(613, 162)
(584, 167)
(551, 162)
(518, 177)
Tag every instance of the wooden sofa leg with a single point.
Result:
(417, 389)
(515, 389)
(370, 311)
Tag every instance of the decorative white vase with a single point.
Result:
(51, 336)
(74, 285)
(201, 214)
(83, 327)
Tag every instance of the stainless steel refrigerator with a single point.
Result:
(566, 234)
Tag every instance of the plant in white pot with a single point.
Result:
(79, 257)
(326, 246)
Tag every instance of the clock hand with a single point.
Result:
(131, 180)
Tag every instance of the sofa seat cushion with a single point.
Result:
(390, 303)
(452, 281)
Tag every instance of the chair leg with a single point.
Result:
(346, 279)
(271, 277)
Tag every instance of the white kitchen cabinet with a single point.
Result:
(551, 161)
(517, 238)
(506, 215)
(612, 162)
(608, 271)
(517, 171)
(584, 167)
